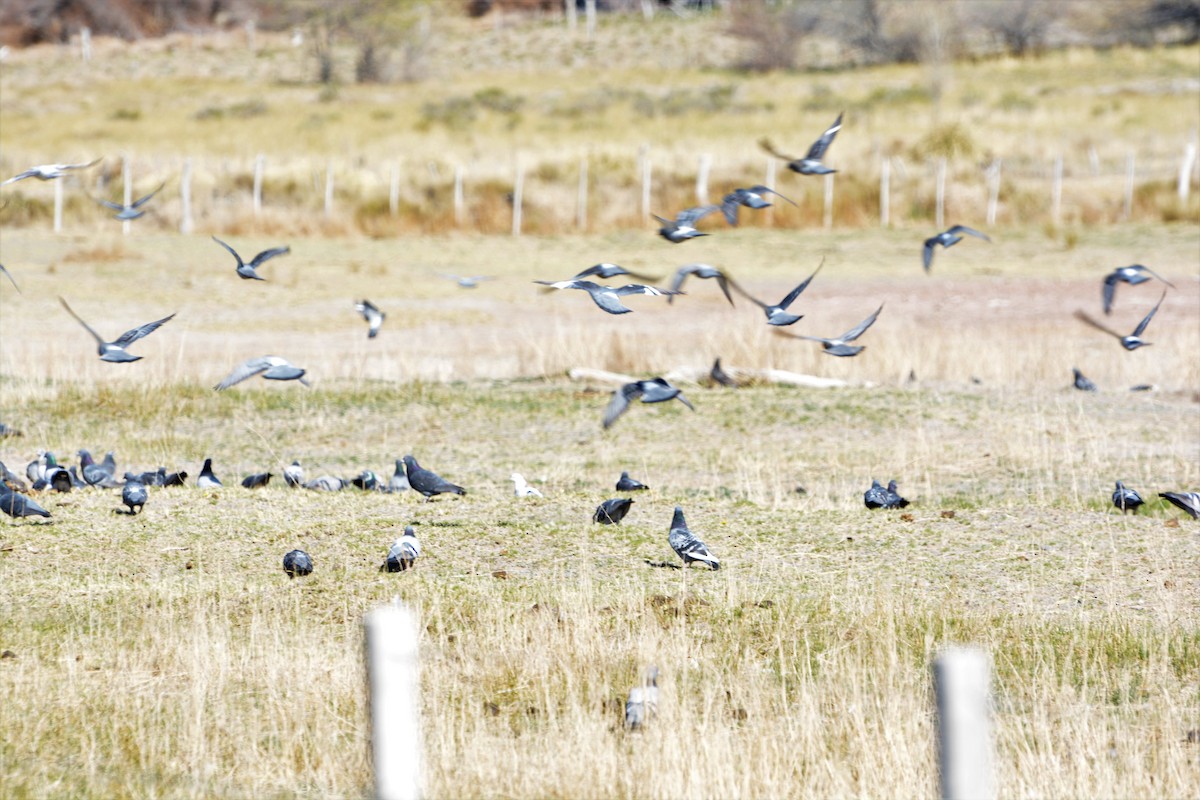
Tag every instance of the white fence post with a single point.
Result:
(394, 189)
(569, 6)
(962, 683)
(1056, 190)
(125, 176)
(259, 161)
(1185, 171)
(1130, 169)
(458, 195)
(581, 200)
(58, 205)
(770, 183)
(940, 194)
(589, 10)
(885, 192)
(828, 201)
(329, 188)
(394, 684)
(644, 163)
(993, 176)
(702, 178)
(517, 198)
(85, 45)
(185, 198)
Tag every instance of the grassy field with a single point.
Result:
(167, 654)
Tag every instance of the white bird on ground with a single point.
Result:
(643, 701)
(523, 489)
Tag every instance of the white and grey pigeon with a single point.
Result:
(403, 552)
(1134, 340)
(272, 368)
(654, 390)
(840, 345)
(250, 271)
(777, 314)
(608, 298)
(703, 271)
(605, 270)
(297, 563)
(811, 163)
(48, 172)
(325, 483)
(521, 488)
(1133, 275)
(132, 210)
(687, 545)
(399, 480)
(206, 479)
(467, 281)
(1189, 502)
(643, 701)
(750, 198)
(114, 351)
(372, 315)
(683, 227)
(947, 238)
(134, 494)
(293, 475)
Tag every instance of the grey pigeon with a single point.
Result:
(606, 270)
(1187, 501)
(467, 281)
(399, 481)
(609, 297)
(18, 505)
(628, 484)
(721, 377)
(883, 497)
(272, 368)
(11, 279)
(840, 345)
(750, 198)
(293, 475)
(611, 512)
(134, 494)
(156, 478)
(48, 172)
(897, 500)
(8, 430)
(683, 227)
(947, 238)
(403, 552)
(643, 701)
(366, 480)
(426, 482)
(9, 479)
(76, 481)
(1134, 340)
(1126, 499)
(811, 163)
(1081, 381)
(103, 474)
(521, 487)
(702, 271)
(655, 390)
(131, 211)
(257, 481)
(777, 314)
(372, 315)
(1133, 275)
(250, 271)
(114, 351)
(325, 483)
(297, 562)
(687, 545)
(207, 479)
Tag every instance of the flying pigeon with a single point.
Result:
(683, 227)
(687, 545)
(325, 483)
(48, 172)
(883, 497)
(523, 489)
(18, 505)
(134, 494)
(273, 368)
(372, 315)
(426, 482)
(611, 512)
(606, 270)
(777, 314)
(399, 481)
(1133, 275)
(703, 271)
(115, 351)
(1081, 381)
(250, 271)
(655, 390)
(467, 281)
(719, 375)
(297, 562)
(207, 479)
(628, 484)
(811, 163)
(1126, 499)
(839, 345)
(643, 701)
(1134, 340)
(293, 475)
(750, 198)
(257, 481)
(1188, 501)
(11, 279)
(403, 552)
(131, 211)
(609, 297)
(947, 238)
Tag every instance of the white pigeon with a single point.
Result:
(523, 489)
(643, 701)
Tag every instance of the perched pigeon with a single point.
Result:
(114, 351)
(293, 475)
(683, 227)
(687, 545)
(48, 172)
(134, 494)
(1126, 499)
(131, 211)
(1081, 382)
(840, 345)
(403, 552)
(250, 271)
(207, 479)
(609, 297)
(777, 314)
(721, 377)
(273, 368)
(11, 279)
(655, 390)
(1134, 340)
(628, 484)
(880, 497)
(643, 701)
(467, 281)
(297, 562)
(257, 481)
(702, 271)
(811, 163)
(398, 481)
(611, 512)
(1188, 501)
(325, 483)
(947, 238)
(523, 489)
(750, 198)
(426, 482)
(372, 315)
(606, 270)
(1133, 275)
(18, 505)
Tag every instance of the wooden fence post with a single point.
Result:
(885, 192)
(770, 183)
(85, 45)
(185, 198)
(393, 679)
(569, 6)
(962, 683)
(940, 194)
(581, 199)
(589, 10)
(518, 191)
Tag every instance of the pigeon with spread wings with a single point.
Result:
(683, 227)
(115, 351)
(840, 345)
(272, 368)
(750, 198)
(655, 390)
(703, 271)
(1133, 275)
(777, 314)
(250, 271)
(372, 315)
(811, 163)
(48, 172)
(1134, 340)
(609, 297)
(128, 211)
(947, 238)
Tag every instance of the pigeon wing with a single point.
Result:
(1109, 290)
(769, 190)
(141, 201)
(765, 144)
(620, 401)
(11, 279)
(1083, 316)
(271, 253)
(690, 216)
(247, 369)
(1146, 321)
(821, 145)
(231, 250)
(131, 336)
(860, 328)
(794, 293)
(729, 207)
(927, 254)
(86, 327)
(968, 231)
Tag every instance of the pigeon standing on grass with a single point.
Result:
(655, 390)
(883, 497)
(643, 701)
(426, 482)
(293, 475)
(1187, 501)
(257, 481)
(398, 481)
(947, 238)
(1126, 499)
(18, 505)
(720, 376)
(1134, 340)
(134, 494)
(1133, 275)
(1081, 382)
(297, 562)
(102, 474)
(207, 479)
(372, 315)
(250, 271)
(403, 552)
(628, 484)
(114, 351)
(811, 163)
(687, 545)
(611, 512)
(521, 488)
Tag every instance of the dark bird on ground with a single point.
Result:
(947, 238)
(606, 270)
(883, 497)
(293, 475)
(176, 479)
(1081, 381)
(840, 345)
(643, 701)
(297, 562)
(257, 481)
(207, 479)
(1126, 499)
(48, 172)
(60, 480)
(611, 512)
(811, 163)
(467, 281)
(1133, 275)
(399, 481)
(134, 494)
(703, 271)
(131, 211)
(628, 484)
(687, 545)
(372, 315)
(8, 430)
(683, 227)
(11, 279)
(403, 552)
(777, 314)
(609, 297)
(1134, 340)
(655, 390)
(750, 198)
(721, 377)
(1187, 501)
(366, 480)
(272, 368)
(10, 480)
(250, 271)
(899, 501)
(115, 351)
(156, 477)
(18, 505)
(426, 482)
